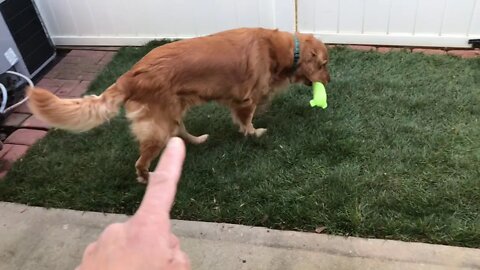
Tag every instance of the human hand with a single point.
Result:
(145, 241)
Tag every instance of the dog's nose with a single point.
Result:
(328, 78)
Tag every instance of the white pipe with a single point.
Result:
(21, 101)
(4, 98)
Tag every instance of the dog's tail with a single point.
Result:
(79, 114)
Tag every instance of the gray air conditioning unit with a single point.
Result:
(25, 49)
(24, 42)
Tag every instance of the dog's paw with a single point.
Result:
(201, 139)
(259, 132)
(142, 180)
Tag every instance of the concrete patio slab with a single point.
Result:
(39, 238)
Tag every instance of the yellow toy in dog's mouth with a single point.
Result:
(319, 96)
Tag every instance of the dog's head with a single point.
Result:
(313, 61)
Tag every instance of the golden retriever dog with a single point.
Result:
(241, 69)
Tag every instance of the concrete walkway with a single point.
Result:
(38, 238)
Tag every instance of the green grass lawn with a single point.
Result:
(396, 155)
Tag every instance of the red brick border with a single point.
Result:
(362, 48)
(465, 53)
(69, 78)
(9, 154)
(25, 136)
(391, 49)
(430, 51)
(34, 123)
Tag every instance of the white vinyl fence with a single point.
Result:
(134, 22)
(444, 23)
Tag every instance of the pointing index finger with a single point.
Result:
(162, 183)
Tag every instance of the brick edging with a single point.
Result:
(70, 78)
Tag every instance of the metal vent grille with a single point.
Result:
(28, 32)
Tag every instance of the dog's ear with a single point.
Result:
(309, 45)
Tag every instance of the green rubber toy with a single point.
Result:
(319, 96)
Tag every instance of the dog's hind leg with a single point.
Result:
(152, 135)
(148, 151)
(183, 133)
